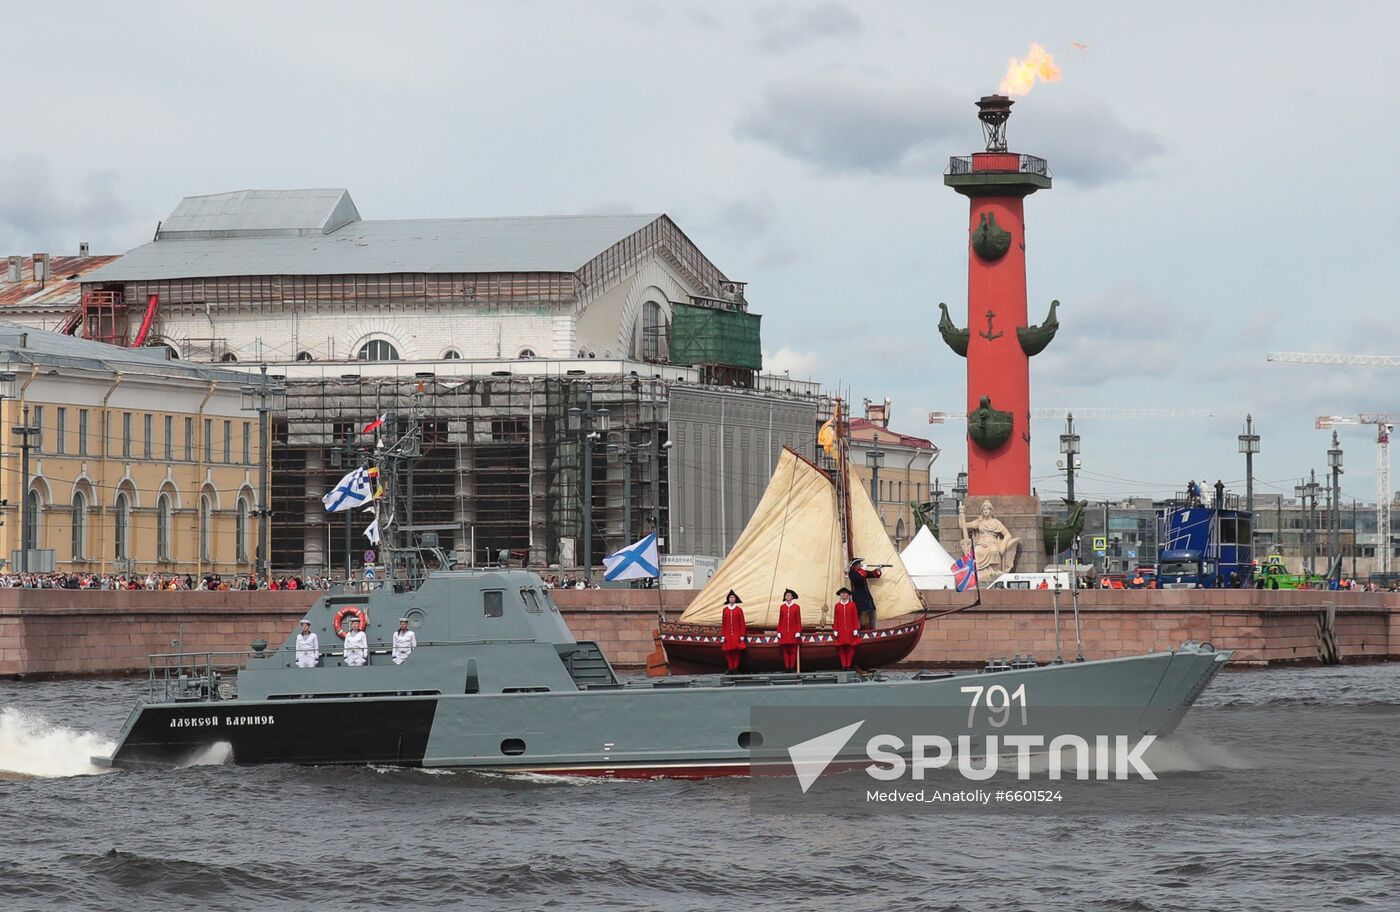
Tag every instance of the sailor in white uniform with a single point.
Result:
(356, 645)
(405, 641)
(308, 646)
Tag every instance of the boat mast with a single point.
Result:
(842, 493)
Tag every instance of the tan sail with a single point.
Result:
(894, 591)
(793, 541)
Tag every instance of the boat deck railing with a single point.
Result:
(181, 677)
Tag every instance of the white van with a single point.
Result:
(1032, 580)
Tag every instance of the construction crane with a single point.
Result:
(1088, 413)
(1384, 423)
(1316, 358)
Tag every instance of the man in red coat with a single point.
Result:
(732, 630)
(789, 629)
(846, 626)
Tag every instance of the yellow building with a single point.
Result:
(136, 462)
(894, 468)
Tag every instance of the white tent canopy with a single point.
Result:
(928, 563)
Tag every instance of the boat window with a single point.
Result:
(493, 602)
(532, 603)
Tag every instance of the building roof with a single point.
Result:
(257, 232)
(61, 291)
(21, 345)
(864, 430)
(254, 213)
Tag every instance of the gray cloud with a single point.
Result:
(1089, 148)
(843, 123)
(1122, 335)
(783, 26)
(34, 213)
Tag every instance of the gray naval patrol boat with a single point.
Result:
(497, 682)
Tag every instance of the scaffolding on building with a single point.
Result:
(498, 473)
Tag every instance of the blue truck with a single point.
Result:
(1204, 548)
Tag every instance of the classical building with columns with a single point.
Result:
(136, 463)
(579, 380)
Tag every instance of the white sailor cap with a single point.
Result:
(403, 620)
(306, 621)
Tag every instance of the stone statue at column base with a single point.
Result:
(996, 547)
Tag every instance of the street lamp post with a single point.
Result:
(960, 492)
(875, 457)
(590, 424)
(1300, 491)
(1069, 446)
(264, 399)
(8, 384)
(1249, 445)
(25, 520)
(1334, 497)
(937, 505)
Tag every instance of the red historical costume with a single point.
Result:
(846, 626)
(732, 630)
(790, 629)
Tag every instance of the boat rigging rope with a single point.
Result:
(782, 531)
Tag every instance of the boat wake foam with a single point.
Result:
(33, 747)
(216, 754)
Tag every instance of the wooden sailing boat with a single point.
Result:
(795, 541)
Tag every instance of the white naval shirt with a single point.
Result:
(308, 649)
(356, 648)
(404, 643)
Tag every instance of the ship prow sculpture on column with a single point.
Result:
(1000, 520)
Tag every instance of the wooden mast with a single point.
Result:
(842, 493)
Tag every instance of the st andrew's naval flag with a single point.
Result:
(638, 560)
(965, 573)
(353, 491)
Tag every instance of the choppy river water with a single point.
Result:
(284, 837)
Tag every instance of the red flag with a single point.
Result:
(374, 425)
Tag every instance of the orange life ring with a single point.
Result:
(350, 609)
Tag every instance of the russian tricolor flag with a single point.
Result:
(375, 424)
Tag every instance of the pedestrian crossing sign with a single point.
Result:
(1100, 542)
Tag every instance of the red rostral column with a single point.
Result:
(997, 342)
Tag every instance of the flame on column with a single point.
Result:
(1021, 75)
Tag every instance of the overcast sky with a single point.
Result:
(1224, 178)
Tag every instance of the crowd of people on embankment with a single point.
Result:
(159, 582)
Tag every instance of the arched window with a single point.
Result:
(171, 351)
(165, 518)
(206, 527)
(121, 527)
(526, 354)
(378, 350)
(451, 355)
(899, 534)
(654, 346)
(305, 356)
(32, 508)
(240, 531)
(228, 356)
(79, 526)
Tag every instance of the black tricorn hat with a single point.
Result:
(735, 596)
(787, 592)
(856, 560)
(843, 591)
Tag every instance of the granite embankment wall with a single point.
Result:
(48, 632)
